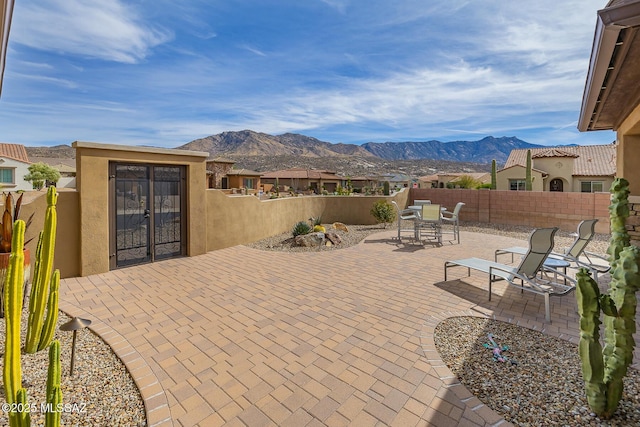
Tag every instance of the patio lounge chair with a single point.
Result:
(404, 215)
(574, 253)
(530, 275)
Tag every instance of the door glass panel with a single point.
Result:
(132, 215)
(167, 190)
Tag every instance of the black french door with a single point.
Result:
(147, 204)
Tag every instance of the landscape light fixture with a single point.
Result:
(74, 325)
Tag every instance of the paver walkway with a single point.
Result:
(247, 337)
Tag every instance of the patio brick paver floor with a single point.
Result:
(246, 337)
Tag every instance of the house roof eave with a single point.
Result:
(610, 22)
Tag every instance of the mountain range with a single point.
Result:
(263, 152)
(250, 143)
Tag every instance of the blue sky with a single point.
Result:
(163, 73)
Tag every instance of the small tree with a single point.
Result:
(467, 181)
(40, 173)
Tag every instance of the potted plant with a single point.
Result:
(9, 216)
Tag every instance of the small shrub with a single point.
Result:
(300, 228)
(383, 212)
(316, 221)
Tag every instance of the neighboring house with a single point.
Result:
(14, 165)
(448, 180)
(299, 179)
(362, 182)
(586, 169)
(217, 170)
(66, 167)
(245, 179)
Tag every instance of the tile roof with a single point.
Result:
(244, 172)
(14, 151)
(590, 160)
(299, 173)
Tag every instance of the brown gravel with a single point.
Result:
(100, 393)
(545, 387)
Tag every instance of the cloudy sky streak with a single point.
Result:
(160, 73)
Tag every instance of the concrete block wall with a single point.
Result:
(530, 208)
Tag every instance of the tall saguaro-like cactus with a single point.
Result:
(528, 180)
(12, 370)
(44, 283)
(604, 368)
(494, 175)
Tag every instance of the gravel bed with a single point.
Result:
(545, 385)
(101, 391)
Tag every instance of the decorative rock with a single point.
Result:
(333, 238)
(310, 240)
(340, 226)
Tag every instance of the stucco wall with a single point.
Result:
(518, 172)
(556, 167)
(67, 235)
(236, 220)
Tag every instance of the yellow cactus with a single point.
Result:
(319, 229)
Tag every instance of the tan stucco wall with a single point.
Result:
(606, 182)
(67, 252)
(518, 172)
(236, 220)
(556, 167)
(92, 165)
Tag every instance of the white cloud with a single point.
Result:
(109, 30)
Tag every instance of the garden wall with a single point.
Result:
(529, 208)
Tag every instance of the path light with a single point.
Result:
(74, 325)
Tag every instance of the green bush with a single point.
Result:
(300, 228)
(383, 212)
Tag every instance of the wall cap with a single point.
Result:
(155, 150)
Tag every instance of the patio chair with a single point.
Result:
(429, 224)
(574, 253)
(404, 215)
(530, 275)
(452, 218)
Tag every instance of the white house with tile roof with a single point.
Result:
(586, 169)
(14, 165)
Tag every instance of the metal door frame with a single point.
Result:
(151, 212)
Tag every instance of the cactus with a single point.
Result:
(494, 176)
(22, 419)
(54, 394)
(12, 371)
(604, 368)
(528, 181)
(42, 279)
(385, 188)
(50, 321)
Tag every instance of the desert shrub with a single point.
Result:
(300, 228)
(383, 212)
